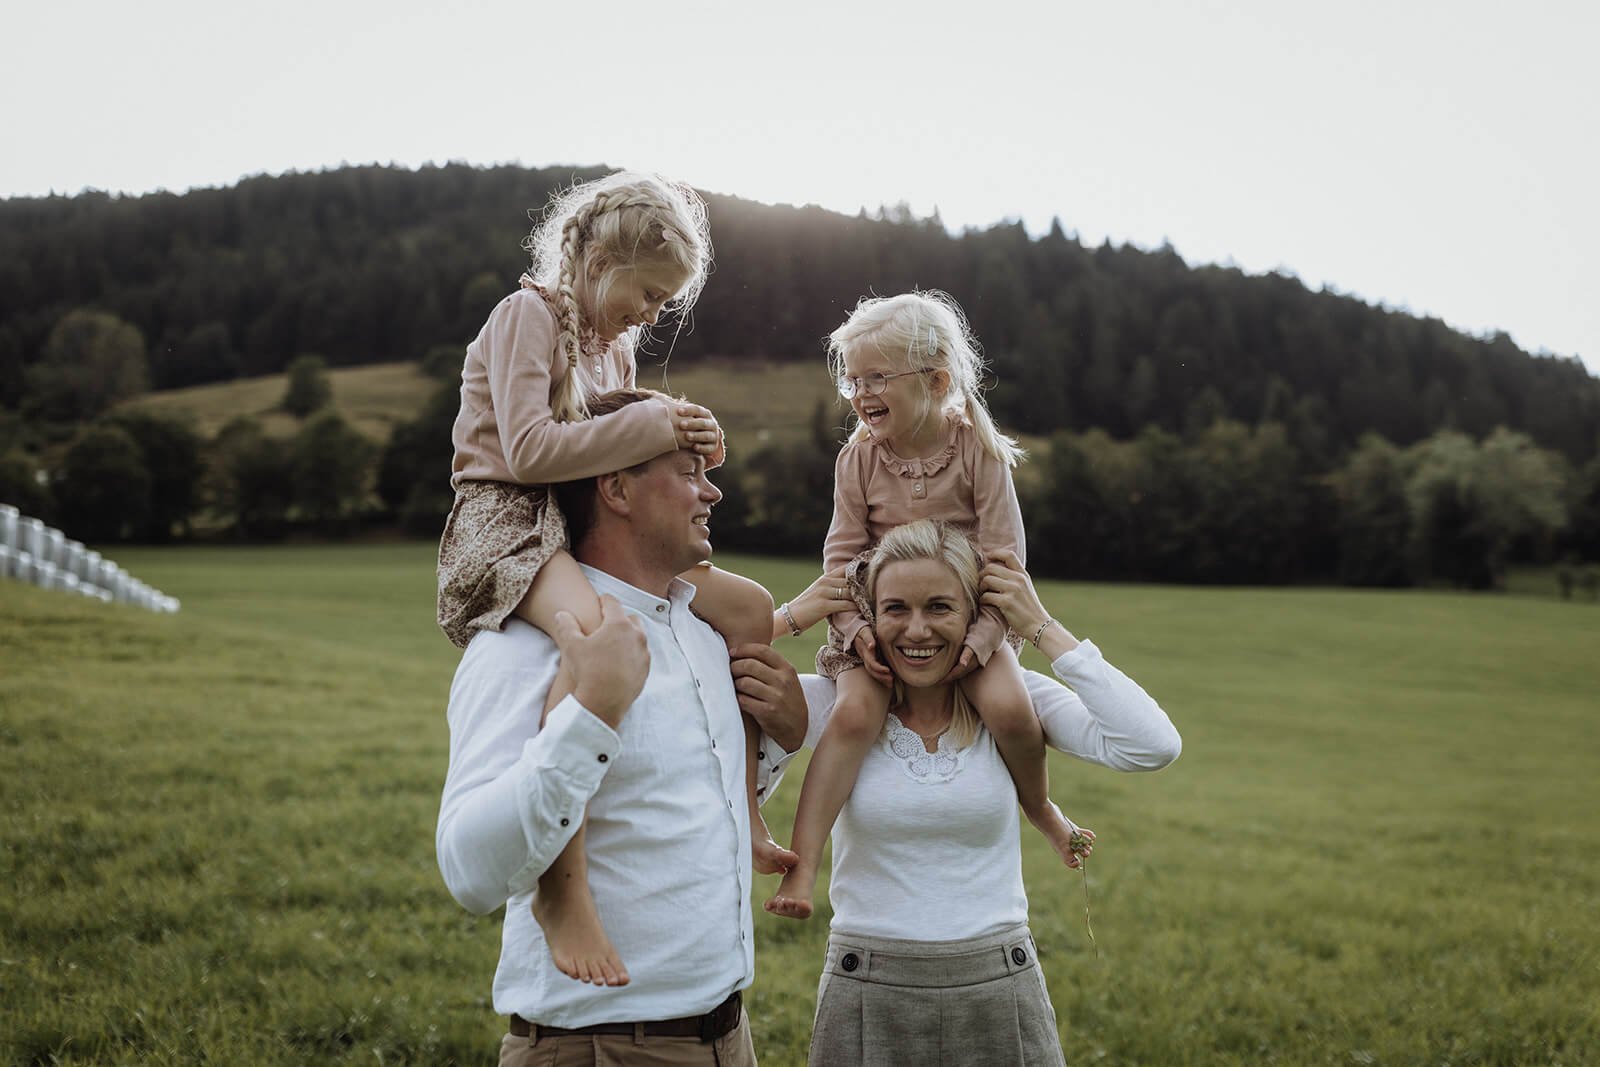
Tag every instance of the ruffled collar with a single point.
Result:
(924, 466)
(589, 343)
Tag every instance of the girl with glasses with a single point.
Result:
(924, 447)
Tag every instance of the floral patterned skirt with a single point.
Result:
(497, 538)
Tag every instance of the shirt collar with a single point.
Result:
(679, 593)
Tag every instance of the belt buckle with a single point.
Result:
(720, 1020)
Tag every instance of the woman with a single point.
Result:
(930, 959)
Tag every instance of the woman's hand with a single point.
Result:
(866, 646)
(822, 598)
(1007, 588)
(696, 429)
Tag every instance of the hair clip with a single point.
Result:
(933, 340)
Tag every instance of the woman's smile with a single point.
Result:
(922, 617)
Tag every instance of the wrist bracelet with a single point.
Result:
(1043, 626)
(794, 627)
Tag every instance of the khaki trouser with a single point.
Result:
(617, 1050)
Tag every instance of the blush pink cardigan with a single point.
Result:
(875, 490)
(506, 431)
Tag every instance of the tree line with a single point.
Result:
(377, 264)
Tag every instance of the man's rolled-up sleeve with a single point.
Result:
(515, 794)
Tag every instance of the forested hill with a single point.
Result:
(369, 264)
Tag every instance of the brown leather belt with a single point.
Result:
(718, 1022)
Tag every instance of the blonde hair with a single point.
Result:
(925, 330)
(627, 219)
(935, 540)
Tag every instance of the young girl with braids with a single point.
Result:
(609, 257)
(924, 447)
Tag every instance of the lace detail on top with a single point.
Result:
(920, 765)
(589, 343)
(927, 465)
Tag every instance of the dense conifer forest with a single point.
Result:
(1204, 424)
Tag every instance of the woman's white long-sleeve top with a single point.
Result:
(927, 847)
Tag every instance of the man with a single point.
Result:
(651, 744)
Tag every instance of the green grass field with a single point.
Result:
(1379, 847)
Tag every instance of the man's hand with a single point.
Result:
(608, 666)
(769, 692)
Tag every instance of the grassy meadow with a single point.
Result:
(1379, 847)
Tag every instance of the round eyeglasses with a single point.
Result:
(873, 384)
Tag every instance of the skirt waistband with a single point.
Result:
(931, 964)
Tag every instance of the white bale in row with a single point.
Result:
(72, 556)
(8, 526)
(55, 544)
(30, 536)
(24, 568)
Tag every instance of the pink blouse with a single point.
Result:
(506, 431)
(875, 490)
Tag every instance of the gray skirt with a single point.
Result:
(977, 1001)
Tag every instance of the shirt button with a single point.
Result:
(760, 754)
(565, 822)
(660, 608)
(916, 489)
(603, 757)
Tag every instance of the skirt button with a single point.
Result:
(1019, 957)
(850, 961)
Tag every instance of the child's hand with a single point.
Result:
(964, 666)
(696, 429)
(866, 646)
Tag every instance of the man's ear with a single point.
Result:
(612, 491)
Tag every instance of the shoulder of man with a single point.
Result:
(520, 645)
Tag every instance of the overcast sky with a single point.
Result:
(1435, 156)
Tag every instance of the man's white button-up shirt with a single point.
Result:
(668, 834)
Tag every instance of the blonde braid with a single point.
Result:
(570, 402)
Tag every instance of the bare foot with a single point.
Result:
(769, 857)
(1072, 843)
(793, 898)
(578, 943)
